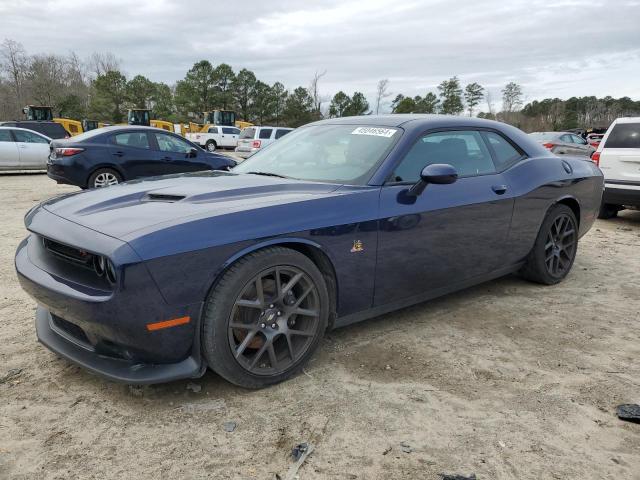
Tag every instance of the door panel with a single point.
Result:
(174, 155)
(9, 156)
(32, 148)
(450, 234)
(132, 152)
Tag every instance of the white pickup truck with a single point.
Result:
(216, 137)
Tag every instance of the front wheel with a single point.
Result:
(265, 318)
(554, 250)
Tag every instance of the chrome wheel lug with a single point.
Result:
(271, 306)
(263, 325)
(279, 313)
(274, 325)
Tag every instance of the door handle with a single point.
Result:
(499, 189)
(118, 154)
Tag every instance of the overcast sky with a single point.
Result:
(553, 48)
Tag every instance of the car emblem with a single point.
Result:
(358, 246)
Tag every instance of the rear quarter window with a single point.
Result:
(248, 133)
(624, 135)
(265, 133)
(281, 133)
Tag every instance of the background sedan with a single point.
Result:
(22, 149)
(564, 143)
(110, 155)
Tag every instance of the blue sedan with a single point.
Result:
(110, 155)
(341, 220)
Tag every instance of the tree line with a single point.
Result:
(96, 88)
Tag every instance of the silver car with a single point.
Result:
(23, 149)
(252, 139)
(564, 143)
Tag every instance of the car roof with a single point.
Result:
(3, 127)
(627, 120)
(268, 126)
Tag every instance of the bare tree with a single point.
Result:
(15, 63)
(381, 93)
(488, 97)
(314, 92)
(101, 63)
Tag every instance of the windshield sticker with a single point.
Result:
(376, 131)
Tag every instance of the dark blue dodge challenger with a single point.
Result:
(243, 271)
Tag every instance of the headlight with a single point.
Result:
(104, 266)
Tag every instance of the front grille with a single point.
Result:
(70, 254)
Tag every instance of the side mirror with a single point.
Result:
(193, 153)
(437, 173)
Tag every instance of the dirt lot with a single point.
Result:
(504, 380)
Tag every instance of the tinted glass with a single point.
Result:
(505, 153)
(230, 131)
(326, 153)
(28, 137)
(578, 140)
(169, 143)
(566, 138)
(5, 136)
(281, 133)
(464, 150)
(50, 129)
(247, 133)
(213, 130)
(132, 139)
(624, 135)
(265, 133)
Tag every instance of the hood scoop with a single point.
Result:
(163, 197)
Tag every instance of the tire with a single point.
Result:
(273, 342)
(211, 146)
(608, 210)
(554, 250)
(104, 177)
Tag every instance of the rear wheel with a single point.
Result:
(265, 317)
(608, 210)
(104, 177)
(555, 248)
(211, 146)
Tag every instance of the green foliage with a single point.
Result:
(298, 108)
(339, 104)
(196, 92)
(358, 105)
(140, 91)
(109, 96)
(344, 106)
(473, 95)
(427, 104)
(243, 88)
(162, 101)
(451, 95)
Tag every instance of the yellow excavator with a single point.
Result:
(45, 113)
(142, 116)
(225, 118)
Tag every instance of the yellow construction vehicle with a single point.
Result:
(168, 126)
(220, 117)
(45, 113)
(139, 116)
(90, 125)
(242, 124)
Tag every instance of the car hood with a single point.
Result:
(120, 210)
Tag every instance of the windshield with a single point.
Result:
(325, 153)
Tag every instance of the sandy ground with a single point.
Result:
(504, 380)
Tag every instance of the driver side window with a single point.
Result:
(169, 143)
(464, 150)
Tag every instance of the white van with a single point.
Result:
(216, 137)
(618, 156)
(253, 139)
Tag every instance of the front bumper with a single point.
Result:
(621, 196)
(101, 329)
(115, 369)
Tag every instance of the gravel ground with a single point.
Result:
(504, 380)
